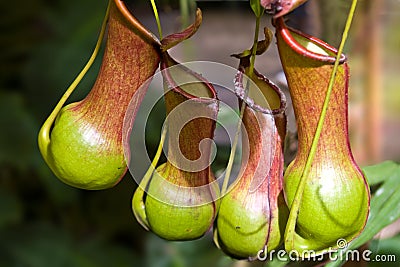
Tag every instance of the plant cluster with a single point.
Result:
(320, 198)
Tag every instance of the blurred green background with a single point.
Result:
(44, 44)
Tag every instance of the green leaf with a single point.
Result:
(385, 205)
(256, 7)
(378, 173)
(389, 246)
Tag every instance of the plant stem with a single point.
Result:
(294, 210)
(236, 139)
(156, 158)
(44, 133)
(184, 7)
(254, 51)
(153, 4)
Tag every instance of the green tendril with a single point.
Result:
(138, 205)
(44, 133)
(153, 4)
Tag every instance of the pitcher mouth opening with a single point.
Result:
(307, 45)
(268, 107)
(206, 95)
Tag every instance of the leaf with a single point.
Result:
(176, 38)
(389, 246)
(385, 204)
(380, 172)
(256, 7)
(385, 207)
